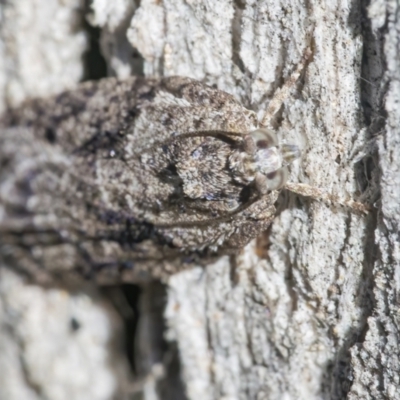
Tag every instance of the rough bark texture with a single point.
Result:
(309, 311)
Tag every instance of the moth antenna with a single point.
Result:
(284, 92)
(205, 222)
(321, 195)
(211, 133)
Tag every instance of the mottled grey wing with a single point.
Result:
(105, 180)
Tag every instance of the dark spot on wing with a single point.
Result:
(170, 175)
(101, 141)
(245, 194)
(50, 135)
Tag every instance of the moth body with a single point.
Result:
(126, 178)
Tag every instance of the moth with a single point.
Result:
(134, 179)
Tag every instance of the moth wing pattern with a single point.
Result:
(112, 179)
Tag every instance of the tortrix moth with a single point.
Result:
(133, 179)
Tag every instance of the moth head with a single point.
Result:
(263, 160)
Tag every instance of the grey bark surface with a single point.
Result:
(309, 310)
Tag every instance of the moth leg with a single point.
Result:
(321, 195)
(283, 93)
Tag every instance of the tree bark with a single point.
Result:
(309, 310)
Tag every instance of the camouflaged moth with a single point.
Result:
(132, 179)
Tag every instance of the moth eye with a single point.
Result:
(276, 180)
(264, 138)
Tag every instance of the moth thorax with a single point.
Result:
(267, 160)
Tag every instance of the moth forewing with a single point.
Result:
(139, 187)
(140, 173)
